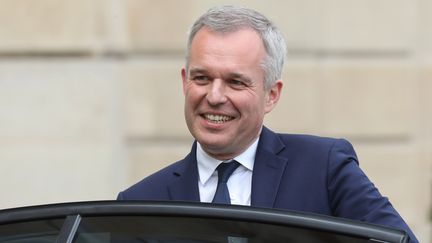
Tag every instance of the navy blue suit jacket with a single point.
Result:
(291, 172)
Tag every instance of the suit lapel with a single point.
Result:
(185, 188)
(267, 173)
(268, 170)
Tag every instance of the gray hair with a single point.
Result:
(226, 19)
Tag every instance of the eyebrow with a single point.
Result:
(194, 71)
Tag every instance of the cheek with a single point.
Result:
(257, 101)
(189, 103)
(192, 96)
(251, 106)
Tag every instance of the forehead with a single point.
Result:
(243, 45)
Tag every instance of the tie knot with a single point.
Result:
(225, 170)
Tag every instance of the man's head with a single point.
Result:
(226, 19)
(228, 88)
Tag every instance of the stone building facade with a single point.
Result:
(91, 100)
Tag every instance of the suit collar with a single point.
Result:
(267, 173)
(185, 187)
(268, 169)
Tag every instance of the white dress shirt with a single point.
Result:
(239, 183)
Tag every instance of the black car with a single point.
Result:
(174, 222)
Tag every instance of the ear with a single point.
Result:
(273, 95)
(184, 78)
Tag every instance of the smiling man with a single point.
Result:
(226, 98)
(231, 80)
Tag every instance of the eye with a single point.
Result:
(237, 83)
(201, 79)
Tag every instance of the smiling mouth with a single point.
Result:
(217, 118)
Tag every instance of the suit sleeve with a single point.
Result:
(120, 196)
(352, 195)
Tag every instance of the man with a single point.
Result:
(232, 78)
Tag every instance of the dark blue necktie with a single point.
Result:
(224, 172)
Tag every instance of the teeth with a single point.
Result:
(217, 118)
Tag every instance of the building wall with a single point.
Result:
(91, 100)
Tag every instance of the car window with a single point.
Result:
(42, 231)
(148, 229)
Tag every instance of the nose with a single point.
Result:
(216, 93)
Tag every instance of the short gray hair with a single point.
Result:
(226, 19)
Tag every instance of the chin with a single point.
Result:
(215, 145)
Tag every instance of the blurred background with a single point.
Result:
(91, 100)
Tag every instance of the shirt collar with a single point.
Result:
(207, 164)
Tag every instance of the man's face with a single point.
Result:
(225, 99)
